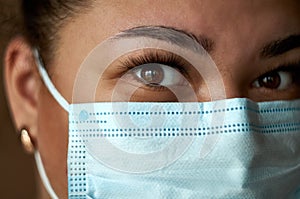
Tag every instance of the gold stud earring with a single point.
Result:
(26, 141)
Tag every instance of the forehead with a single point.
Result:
(214, 17)
(200, 10)
(230, 22)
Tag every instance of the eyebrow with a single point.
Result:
(281, 46)
(179, 37)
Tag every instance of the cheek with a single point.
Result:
(52, 141)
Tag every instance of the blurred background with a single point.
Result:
(17, 169)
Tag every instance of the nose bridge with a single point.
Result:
(232, 63)
(233, 84)
(221, 86)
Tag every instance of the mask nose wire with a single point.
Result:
(50, 86)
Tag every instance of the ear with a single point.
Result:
(22, 84)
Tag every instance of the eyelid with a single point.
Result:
(286, 67)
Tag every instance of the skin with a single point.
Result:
(238, 28)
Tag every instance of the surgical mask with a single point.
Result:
(232, 148)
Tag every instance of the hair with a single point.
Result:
(10, 21)
(43, 20)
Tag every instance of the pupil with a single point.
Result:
(271, 81)
(152, 74)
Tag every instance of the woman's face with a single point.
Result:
(255, 45)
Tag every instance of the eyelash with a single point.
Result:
(168, 59)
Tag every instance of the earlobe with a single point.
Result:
(22, 84)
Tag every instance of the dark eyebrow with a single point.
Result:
(280, 46)
(179, 37)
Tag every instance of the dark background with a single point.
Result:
(17, 169)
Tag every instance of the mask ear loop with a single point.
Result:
(43, 175)
(52, 89)
(63, 103)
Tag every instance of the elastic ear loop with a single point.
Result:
(43, 175)
(54, 92)
(63, 103)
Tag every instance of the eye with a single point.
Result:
(276, 80)
(155, 74)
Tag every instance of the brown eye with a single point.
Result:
(275, 80)
(152, 74)
(271, 81)
(155, 74)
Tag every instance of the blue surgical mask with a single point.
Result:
(232, 148)
(175, 150)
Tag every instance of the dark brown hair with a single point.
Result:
(44, 18)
